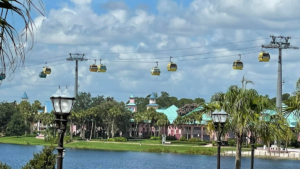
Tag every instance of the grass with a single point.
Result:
(132, 145)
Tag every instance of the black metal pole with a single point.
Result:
(252, 150)
(60, 147)
(218, 134)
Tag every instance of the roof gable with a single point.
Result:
(24, 96)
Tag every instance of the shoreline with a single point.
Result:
(146, 146)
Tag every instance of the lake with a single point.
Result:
(18, 155)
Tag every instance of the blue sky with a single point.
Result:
(203, 36)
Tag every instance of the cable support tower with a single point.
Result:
(281, 43)
(77, 57)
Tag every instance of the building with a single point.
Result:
(189, 130)
(194, 129)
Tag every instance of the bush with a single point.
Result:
(4, 166)
(117, 139)
(158, 150)
(154, 138)
(194, 140)
(29, 135)
(214, 143)
(171, 138)
(232, 143)
(182, 138)
(294, 143)
(200, 151)
(201, 143)
(44, 159)
(67, 139)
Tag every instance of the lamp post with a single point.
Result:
(62, 105)
(252, 140)
(219, 119)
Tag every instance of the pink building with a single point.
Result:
(193, 130)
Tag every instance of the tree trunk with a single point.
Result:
(91, 132)
(238, 152)
(268, 146)
(112, 129)
(31, 128)
(159, 131)
(95, 128)
(136, 130)
(81, 131)
(71, 130)
(26, 127)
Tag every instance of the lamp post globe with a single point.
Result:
(62, 102)
(219, 117)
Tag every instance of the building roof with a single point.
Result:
(132, 96)
(48, 106)
(24, 96)
(152, 96)
(131, 104)
(150, 105)
(170, 112)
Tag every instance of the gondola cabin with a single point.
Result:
(42, 75)
(47, 70)
(2, 76)
(237, 65)
(264, 57)
(155, 71)
(93, 68)
(172, 67)
(102, 68)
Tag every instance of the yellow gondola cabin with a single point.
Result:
(264, 57)
(172, 67)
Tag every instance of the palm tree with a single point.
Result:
(114, 112)
(13, 46)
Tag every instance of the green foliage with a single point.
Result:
(200, 151)
(158, 150)
(171, 138)
(67, 140)
(118, 139)
(295, 143)
(6, 112)
(232, 142)
(29, 135)
(182, 138)
(4, 166)
(44, 160)
(16, 126)
(194, 140)
(155, 138)
(214, 143)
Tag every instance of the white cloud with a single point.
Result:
(128, 30)
(82, 2)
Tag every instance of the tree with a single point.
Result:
(25, 109)
(44, 160)
(113, 113)
(186, 109)
(13, 46)
(16, 126)
(6, 112)
(4, 166)
(34, 114)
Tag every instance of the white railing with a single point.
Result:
(290, 155)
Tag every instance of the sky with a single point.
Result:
(204, 37)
